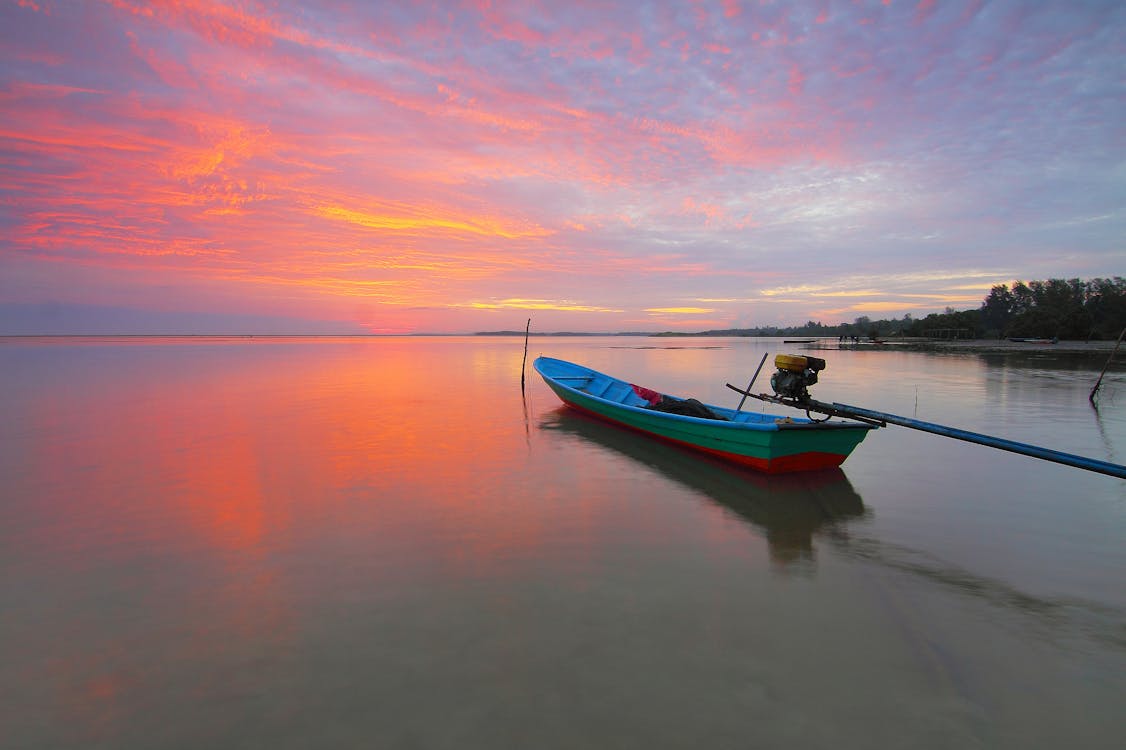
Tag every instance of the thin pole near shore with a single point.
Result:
(1099, 382)
(527, 330)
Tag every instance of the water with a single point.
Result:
(377, 542)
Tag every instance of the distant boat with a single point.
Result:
(766, 442)
(798, 341)
(1034, 341)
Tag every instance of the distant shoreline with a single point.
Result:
(822, 343)
(909, 344)
(975, 346)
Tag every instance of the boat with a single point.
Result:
(770, 443)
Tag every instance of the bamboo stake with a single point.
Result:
(1099, 382)
(527, 329)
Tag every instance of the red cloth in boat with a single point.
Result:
(651, 396)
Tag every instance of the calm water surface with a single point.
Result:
(378, 543)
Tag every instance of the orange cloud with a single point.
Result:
(535, 304)
(885, 306)
(400, 222)
(680, 310)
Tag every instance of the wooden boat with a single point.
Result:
(767, 442)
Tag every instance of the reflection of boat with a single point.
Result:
(765, 442)
(789, 508)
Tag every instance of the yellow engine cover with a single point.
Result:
(791, 362)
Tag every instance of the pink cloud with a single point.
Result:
(924, 10)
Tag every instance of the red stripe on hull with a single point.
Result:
(809, 461)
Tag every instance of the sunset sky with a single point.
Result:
(198, 166)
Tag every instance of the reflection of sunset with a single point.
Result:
(232, 461)
(288, 534)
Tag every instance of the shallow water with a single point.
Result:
(379, 542)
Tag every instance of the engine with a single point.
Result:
(795, 375)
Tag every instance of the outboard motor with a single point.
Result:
(795, 375)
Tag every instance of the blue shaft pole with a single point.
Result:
(1069, 459)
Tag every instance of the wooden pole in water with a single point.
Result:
(1099, 382)
(527, 329)
(753, 379)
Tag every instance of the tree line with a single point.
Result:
(1057, 308)
(1071, 309)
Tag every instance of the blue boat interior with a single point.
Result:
(608, 388)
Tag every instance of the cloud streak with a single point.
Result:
(427, 168)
